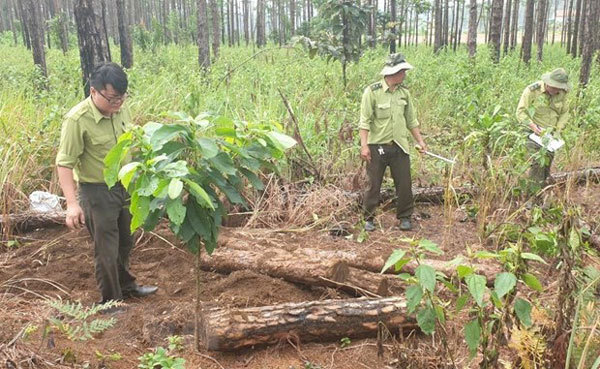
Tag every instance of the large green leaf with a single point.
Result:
(223, 163)
(127, 172)
(426, 320)
(147, 184)
(166, 133)
(175, 188)
(531, 256)
(476, 284)
(283, 141)
(464, 270)
(533, 283)
(426, 276)
(504, 283)
(473, 336)
(208, 147)
(394, 257)
(200, 194)
(177, 169)
(112, 160)
(430, 246)
(139, 208)
(413, 297)
(253, 179)
(523, 311)
(176, 211)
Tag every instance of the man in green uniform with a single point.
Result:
(543, 109)
(89, 131)
(387, 116)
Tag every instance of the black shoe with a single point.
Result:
(405, 224)
(369, 226)
(114, 310)
(140, 291)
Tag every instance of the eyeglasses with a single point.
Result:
(114, 100)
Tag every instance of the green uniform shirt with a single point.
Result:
(86, 138)
(388, 116)
(548, 111)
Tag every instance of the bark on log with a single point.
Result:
(371, 264)
(29, 221)
(232, 329)
(297, 268)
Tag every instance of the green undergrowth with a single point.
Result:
(453, 95)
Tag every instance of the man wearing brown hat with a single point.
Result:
(543, 108)
(387, 116)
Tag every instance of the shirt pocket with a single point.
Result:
(383, 110)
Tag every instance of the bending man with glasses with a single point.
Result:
(387, 116)
(89, 131)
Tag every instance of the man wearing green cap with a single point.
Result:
(543, 108)
(387, 116)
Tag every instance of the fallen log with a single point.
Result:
(29, 221)
(225, 329)
(279, 263)
(371, 264)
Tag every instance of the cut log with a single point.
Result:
(297, 268)
(232, 329)
(368, 264)
(29, 221)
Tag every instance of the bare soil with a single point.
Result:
(57, 263)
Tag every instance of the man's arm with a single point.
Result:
(523, 111)
(416, 133)
(563, 118)
(75, 217)
(364, 126)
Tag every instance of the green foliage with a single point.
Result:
(160, 358)
(75, 321)
(345, 342)
(181, 169)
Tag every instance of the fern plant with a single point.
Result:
(74, 320)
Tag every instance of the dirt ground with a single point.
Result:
(55, 263)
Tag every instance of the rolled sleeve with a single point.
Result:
(366, 110)
(410, 114)
(522, 109)
(71, 144)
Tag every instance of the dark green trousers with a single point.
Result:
(107, 218)
(538, 172)
(399, 162)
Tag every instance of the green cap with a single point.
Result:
(558, 78)
(395, 63)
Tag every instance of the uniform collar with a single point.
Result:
(384, 85)
(95, 112)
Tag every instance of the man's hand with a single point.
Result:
(535, 128)
(365, 153)
(421, 147)
(75, 217)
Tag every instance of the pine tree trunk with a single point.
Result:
(216, 37)
(292, 17)
(437, 40)
(91, 36)
(124, 36)
(472, 35)
(528, 33)
(582, 22)
(34, 23)
(506, 27)
(203, 42)
(445, 24)
(554, 22)
(63, 33)
(590, 40)
(496, 29)
(393, 30)
(247, 21)
(514, 24)
(260, 23)
(575, 32)
(570, 27)
(541, 22)
(24, 25)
